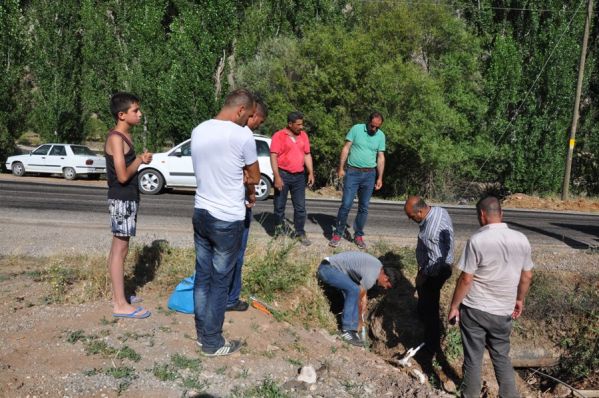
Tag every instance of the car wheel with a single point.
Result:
(69, 173)
(263, 188)
(18, 169)
(151, 182)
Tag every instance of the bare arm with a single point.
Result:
(380, 169)
(461, 290)
(274, 163)
(343, 158)
(309, 168)
(362, 305)
(251, 178)
(523, 285)
(116, 147)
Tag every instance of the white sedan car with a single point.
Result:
(67, 159)
(174, 169)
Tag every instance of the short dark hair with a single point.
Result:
(375, 115)
(393, 274)
(240, 97)
(293, 116)
(489, 204)
(261, 108)
(120, 102)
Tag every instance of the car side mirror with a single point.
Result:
(178, 153)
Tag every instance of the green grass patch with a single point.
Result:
(120, 372)
(164, 372)
(182, 362)
(267, 389)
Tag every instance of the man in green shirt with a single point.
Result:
(364, 152)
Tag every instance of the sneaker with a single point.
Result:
(239, 306)
(359, 241)
(335, 241)
(226, 349)
(199, 343)
(303, 239)
(351, 336)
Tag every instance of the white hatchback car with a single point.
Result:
(67, 159)
(174, 169)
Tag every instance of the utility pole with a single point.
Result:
(583, 54)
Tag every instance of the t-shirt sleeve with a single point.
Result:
(307, 144)
(351, 134)
(469, 261)
(250, 155)
(528, 264)
(382, 143)
(276, 143)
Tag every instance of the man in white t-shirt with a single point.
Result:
(221, 150)
(496, 273)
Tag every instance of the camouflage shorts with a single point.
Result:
(123, 217)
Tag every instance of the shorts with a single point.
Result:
(123, 216)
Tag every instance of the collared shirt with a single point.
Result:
(365, 147)
(435, 242)
(496, 255)
(291, 151)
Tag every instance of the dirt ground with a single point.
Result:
(523, 201)
(79, 350)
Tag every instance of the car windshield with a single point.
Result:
(82, 150)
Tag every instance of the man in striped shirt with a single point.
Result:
(434, 254)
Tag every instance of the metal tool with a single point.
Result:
(405, 361)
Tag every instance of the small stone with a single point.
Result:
(561, 390)
(307, 374)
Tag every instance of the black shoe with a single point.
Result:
(228, 348)
(351, 336)
(303, 239)
(239, 306)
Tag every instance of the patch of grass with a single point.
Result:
(182, 362)
(267, 389)
(120, 372)
(60, 279)
(76, 336)
(165, 329)
(453, 343)
(275, 271)
(221, 370)
(244, 373)
(294, 362)
(92, 372)
(98, 347)
(194, 384)
(127, 352)
(164, 372)
(133, 336)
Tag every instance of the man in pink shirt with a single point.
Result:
(289, 156)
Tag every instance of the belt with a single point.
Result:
(362, 169)
(289, 172)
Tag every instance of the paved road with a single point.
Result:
(41, 218)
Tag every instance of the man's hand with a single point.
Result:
(251, 199)
(310, 180)
(379, 184)
(453, 318)
(341, 173)
(518, 308)
(278, 183)
(146, 157)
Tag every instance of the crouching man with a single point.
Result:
(354, 273)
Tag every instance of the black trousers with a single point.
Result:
(429, 293)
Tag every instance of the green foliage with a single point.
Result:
(267, 389)
(274, 272)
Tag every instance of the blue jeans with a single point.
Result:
(235, 288)
(351, 292)
(361, 183)
(296, 184)
(217, 246)
(479, 329)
